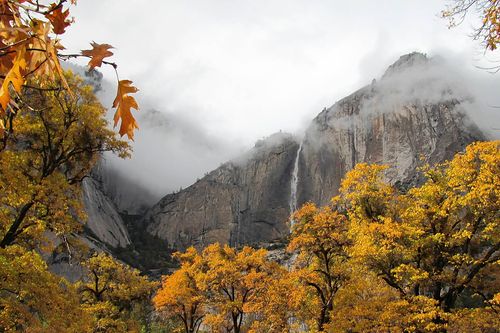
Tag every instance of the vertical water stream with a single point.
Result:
(294, 182)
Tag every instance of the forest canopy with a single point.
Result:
(375, 260)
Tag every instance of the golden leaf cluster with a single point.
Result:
(30, 48)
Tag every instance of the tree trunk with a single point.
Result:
(236, 326)
(10, 236)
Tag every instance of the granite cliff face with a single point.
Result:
(415, 114)
(243, 201)
(103, 220)
(104, 230)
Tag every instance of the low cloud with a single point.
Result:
(173, 148)
(420, 80)
(434, 80)
(170, 151)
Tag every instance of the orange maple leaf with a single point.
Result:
(97, 54)
(124, 87)
(123, 104)
(58, 18)
(15, 77)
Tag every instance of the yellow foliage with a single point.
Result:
(435, 239)
(51, 146)
(234, 280)
(478, 320)
(222, 287)
(181, 295)
(359, 305)
(320, 235)
(32, 299)
(284, 305)
(110, 291)
(30, 50)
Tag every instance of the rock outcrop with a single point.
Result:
(403, 121)
(103, 220)
(241, 202)
(413, 115)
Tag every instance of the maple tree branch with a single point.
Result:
(30, 9)
(77, 55)
(36, 68)
(36, 49)
(6, 53)
(15, 44)
(38, 88)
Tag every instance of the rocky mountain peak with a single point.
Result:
(409, 60)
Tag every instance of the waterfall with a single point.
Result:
(294, 182)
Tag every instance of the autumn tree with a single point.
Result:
(54, 140)
(439, 240)
(483, 319)
(221, 286)
(360, 306)
(320, 236)
(52, 130)
(284, 305)
(30, 48)
(181, 296)
(368, 304)
(34, 300)
(233, 281)
(111, 293)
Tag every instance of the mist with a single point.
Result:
(215, 78)
(170, 150)
(437, 79)
(430, 79)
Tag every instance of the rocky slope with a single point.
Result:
(241, 202)
(103, 220)
(104, 230)
(411, 116)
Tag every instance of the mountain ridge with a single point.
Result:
(412, 111)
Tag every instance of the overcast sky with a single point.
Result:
(238, 70)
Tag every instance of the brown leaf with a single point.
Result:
(97, 54)
(124, 87)
(6, 13)
(58, 18)
(123, 104)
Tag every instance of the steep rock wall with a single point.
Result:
(404, 139)
(103, 220)
(241, 202)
